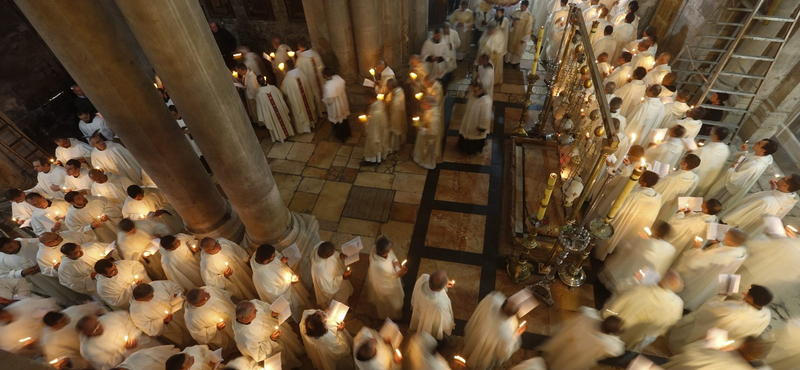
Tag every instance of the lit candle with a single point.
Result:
(415, 121)
(96, 167)
(54, 362)
(419, 95)
(142, 216)
(276, 328)
(380, 96)
(155, 85)
(548, 192)
(644, 164)
(647, 231)
(403, 263)
(54, 262)
(698, 239)
(57, 213)
(147, 254)
(397, 353)
(452, 282)
(791, 228)
(348, 269)
(372, 72)
(777, 175)
(237, 55)
(221, 320)
(523, 323)
(235, 74)
(126, 338)
(194, 247)
(14, 219)
(166, 312)
(701, 143)
(633, 138)
(362, 118)
(290, 54)
(281, 66)
(226, 263)
(460, 359)
(23, 340)
(538, 50)
(272, 55)
(135, 277)
(52, 160)
(413, 76)
(294, 278)
(64, 188)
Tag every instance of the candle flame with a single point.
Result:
(523, 323)
(126, 338)
(397, 352)
(372, 71)
(415, 119)
(644, 164)
(23, 340)
(380, 96)
(54, 262)
(348, 269)
(452, 282)
(413, 75)
(276, 328)
(272, 55)
(136, 277)
(699, 239)
(790, 227)
(633, 137)
(54, 362)
(777, 175)
(166, 312)
(647, 230)
(52, 160)
(290, 54)
(460, 359)
(419, 95)
(403, 263)
(237, 55)
(281, 66)
(294, 278)
(147, 254)
(235, 74)
(221, 319)
(362, 118)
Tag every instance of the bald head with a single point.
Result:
(663, 58)
(244, 310)
(438, 280)
(208, 243)
(735, 237)
(87, 325)
(509, 308)
(672, 281)
(98, 176)
(48, 237)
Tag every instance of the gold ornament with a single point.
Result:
(584, 69)
(594, 115)
(588, 84)
(600, 131)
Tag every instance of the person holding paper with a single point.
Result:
(326, 341)
(116, 280)
(734, 184)
(77, 178)
(493, 332)
(713, 156)
(371, 352)
(60, 339)
(197, 357)
(688, 224)
(224, 265)
(21, 211)
(647, 311)
(95, 216)
(329, 275)
(77, 266)
(180, 260)
(432, 311)
(49, 178)
(741, 319)
(633, 92)
(638, 211)
(677, 184)
(151, 203)
(700, 268)
(384, 288)
(421, 353)
(747, 214)
(645, 115)
(49, 254)
(18, 260)
(110, 186)
(209, 311)
(583, 340)
(693, 122)
(676, 110)
(699, 356)
(257, 335)
(649, 252)
(274, 279)
(157, 310)
(113, 158)
(137, 241)
(69, 148)
(149, 358)
(21, 325)
(109, 339)
(669, 151)
(48, 214)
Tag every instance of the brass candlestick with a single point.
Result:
(532, 78)
(521, 268)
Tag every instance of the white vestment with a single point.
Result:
(631, 95)
(700, 270)
(44, 219)
(748, 213)
(384, 288)
(734, 184)
(644, 117)
(421, 353)
(253, 339)
(605, 44)
(428, 146)
(15, 288)
(97, 124)
(432, 312)
(620, 75)
(77, 150)
(384, 356)
(243, 363)
(118, 159)
(80, 219)
(117, 291)
(65, 342)
(107, 350)
(668, 152)
(22, 211)
(181, 265)
(692, 127)
(398, 119)
(26, 322)
(676, 184)
(203, 357)
(477, 121)
(153, 201)
(281, 56)
(601, 26)
(376, 131)
(114, 189)
(431, 49)
(713, 156)
(334, 95)
(685, 227)
(202, 321)
(638, 211)
(331, 351)
(772, 263)
(673, 112)
(785, 353)
(462, 21)
(647, 311)
(738, 318)
(132, 246)
(274, 279)
(300, 98)
(82, 182)
(519, 36)
(329, 283)
(697, 356)
(310, 63)
(624, 34)
(656, 75)
(44, 180)
(48, 257)
(493, 45)
(12, 265)
(643, 59)
(490, 337)
(486, 78)
(149, 316)
(640, 254)
(77, 274)
(154, 358)
(273, 113)
(213, 267)
(579, 344)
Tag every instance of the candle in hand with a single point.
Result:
(403, 263)
(413, 76)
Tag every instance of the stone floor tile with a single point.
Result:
(408, 182)
(404, 212)
(286, 166)
(280, 150)
(340, 161)
(311, 185)
(452, 154)
(375, 180)
(354, 163)
(463, 187)
(345, 150)
(358, 227)
(331, 201)
(456, 231)
(301, 152)
(410, 198)
(303, 202)
(287, 181)
(324, 154)
(410, 166)
(304, 138)
(314, 172)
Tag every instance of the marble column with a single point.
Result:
(340, 29)
(418, 25)
(201, 87)
(367, 30)
(393, 33)
(82, 36)
(318, 30)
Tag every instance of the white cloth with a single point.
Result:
(181, 265)
(21, 211)
(384, 288)
(656, 75)
(631, 95)
(520, 35)
(697, 356)
(12, 265)
(685, 227)
(77, 150)
(44, 180)
(15, 288)
(44, 219)
(772, 263)
(334, 96)
(692, 127)
(153, 201)
(700, 270)
(737, 181)
(462, 22)
(213, 267)
(624, 34)
(202, 321)
(149, 358)
(493, 45)
(748, 213)
(77, 274)
(48, 257)
(432, 312)
(738, 318)
(673, 112)
(80, 219)
(253, 339)
(26, 322)
(620, 75)
(117, 291)
(713, 156)
(477, 121)
(638, 211)
(605, 44)
(431, 49)
(643, 59)
(273, 113)
(203, 357)
(132, 246)
(300, 98)
(274, 279)
(376, 131)
(668, 152)
(149, 316)
(331, 351)
(281, 56)
(384, 356)
(96, 124)
(189, 137)
(647, 311)
(421, 353)
(398, 119)
(428, 147)
(329, 283)
(107, 350)
(65, 342)
(118, 160)
(82, 182)
(114, 189)
(676, 184)
(310, 63)
(579, 344)
(454, 39)
(644, 117)
(490, 337)
(620, 267)
(486, 78)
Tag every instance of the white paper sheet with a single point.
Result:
(368, 83)
(292, 253)
(774, 226)
(391, 331)
(351, 259)
(353, 246)
(338, 311)
(695, 203)
(729, 283)
(716, 231)
(526, 301)
(273, 363)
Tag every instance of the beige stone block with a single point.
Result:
(340, 161)
(358, 227)
(331, 201)
(280, 150)
(311, 185)
(375, 180)
(286, 166)
(410, 198)
(303, 202)
(324, 154)
(409, 182)
(301, 152)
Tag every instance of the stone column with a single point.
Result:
(201, 87)
(318, 30)
(418, 25)
(340, 29)
(81, 34)
(393, 33)
(367, 30)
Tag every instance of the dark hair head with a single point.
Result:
(166, 242)
(315, 326)
(721, 132)
(175, 362)
(193, 296)
(382, 245)
(611, 325)
(636, 151)
(626, 56)
(74, 163)
(698, 113)
(241, 67)
(633, 6)
(793, 182)
(761, 295)
(142, 291)
(289, 64)
(70, 196)
(661, 229)
(723, 97)
(630, 17)
(692, 161)
(655, 90)
(262, 80)
(134, 190)
(650, 31)
(713, 206)
(13, 193)
(615, 103)
(649, 179)
(608, 30)
(771, 146)
(678, 131)
(52, 318)
(264, 252)
(102, 265)
(172, 108)
(639, 73)
(326, 249)
(328, 72)
(68, 248)
(127, 225)
(32, 196)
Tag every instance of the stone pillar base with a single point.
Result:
(229, 226)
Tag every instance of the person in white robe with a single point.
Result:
(688, 224)
(398, 119)
(18, 260)
(151, 203)
(259, 335)
(60, 338)
(740, 319)
(492, 43)
(371, 352)
(69, 148)
(386, 73)
(432, 311)
(110, 186)
(785, 354)
(49, 254)
(274, 279)
(224, 265)
(95, 216)
(77, 266)
(115, 158)
(421, 353)
(680, 183)
(436, 53)
(700, 268)
(452, 38)
(250, 86)
(734, 184)
(624, 33)
(520, 33)
(49, 179)
(477, 121)
(772, 262)
(209, 312)
(639, 210)
(334, 95)
(643, 58)
(485, 74)
(748, 213)
(676, 110)
(632, 93)
(21, 325)
(713, 156)
(693, 123)
(493, 332)
(331, 278)
(278, 57)
(116, 281)
(645, 117)
(188, 135)
(376, 131)
(198, 357)
(645, 253)
(180, 260)
(21, 211)
(463, 19)
(300, 97)
(157, 310)
(48, 215)
(137, 241)
(591, 12)
(669, 151)
(605, 44)
(662, 68)
(647, 311)
(273, 112)
(484, 13)
(622, 11)
(620, 75)
(703, 356)
(384, 288)
(602, 24)
(582, 341)
(154, 358)
(620, 173)
(77, 178)
(14, 289)
(311, 65)
(90, 123)
(109, 339)
(327, 343)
